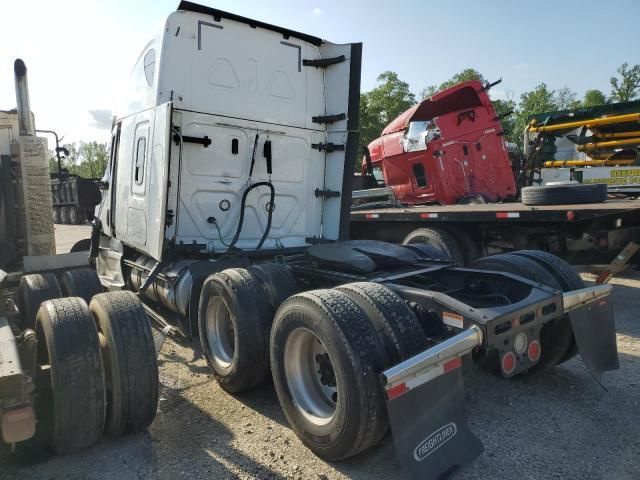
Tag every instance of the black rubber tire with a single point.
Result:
(276, 281)
(440, 239)
(83, 245)
(251, 321)
(65, 217)
(565, 275)
(81, 282)
(470, 249)
(428, 251)
(360, 419)
(397, 326)
(71, 408)
(56, 215)
(33, 290)
(76, 216)
(556, 336)
(565, 194)
(129, 358)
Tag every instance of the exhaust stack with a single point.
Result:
(25, 120)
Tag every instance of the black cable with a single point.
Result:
(242, 209)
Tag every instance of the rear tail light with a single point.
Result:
(533, 352)
(508, 363)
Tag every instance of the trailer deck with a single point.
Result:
(499, 211)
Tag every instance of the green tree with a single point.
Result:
(382, 104)
(464, 76)
(566, 99)
(627, 87)
(593, 98)
(95, 156)
(505, 110)
(539, 100)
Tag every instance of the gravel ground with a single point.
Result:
(558, 425)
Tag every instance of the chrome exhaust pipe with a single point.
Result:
(25, 120)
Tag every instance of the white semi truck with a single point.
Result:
(226, 209)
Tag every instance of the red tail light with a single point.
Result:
(508, 363)
(533, 352)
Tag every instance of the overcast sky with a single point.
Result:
(79, 52)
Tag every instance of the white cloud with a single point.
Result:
(317, 11)
(102, 118)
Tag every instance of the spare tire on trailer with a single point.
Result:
(71, 386)
(33, 290)
(556, 336)
(326, 359)
(81, 282)
(397, 326)
(234, 328)
(564, 193)
(440, 239)
(130, 361)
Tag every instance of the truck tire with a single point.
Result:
(556, 336)
(130, 361)
(80, 282)
(33, 290)
(428, 251)
(64, 215)
(277, 282)
(234, 329)
(76, 215)
(470, 248)
(440, 239)
(325, 361)
(565, 275)
(56, 215)
(568, 193)
(397, 326)
(71, 399)
(83, 245)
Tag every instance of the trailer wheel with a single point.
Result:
(565, 275)
(276, 281)
(76, 215)
(440, 239)
(325, 361)
(81, 282)
(83, 245)
(396, 324)
(556, 336)
(565, 193)
(56, 215)
(427, 251)
(65, 217)
(129, 356)
(33, 290)
(234, 329)
(71, 386)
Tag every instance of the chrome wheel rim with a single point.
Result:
(220, 332)
(310, 376)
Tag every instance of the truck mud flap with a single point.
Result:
(595, 331)
(591, 315)
(425, 403)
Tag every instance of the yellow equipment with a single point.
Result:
(590, 122)
(587, 147)
(587, 163)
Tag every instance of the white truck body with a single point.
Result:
(222, 78)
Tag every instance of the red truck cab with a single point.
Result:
(445, 148)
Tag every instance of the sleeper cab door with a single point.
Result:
(141, 189)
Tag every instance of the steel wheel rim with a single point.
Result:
(220, 332)
(308, 375)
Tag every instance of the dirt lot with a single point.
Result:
(559, 425)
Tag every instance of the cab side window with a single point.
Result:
(141, 150)
(139, 161)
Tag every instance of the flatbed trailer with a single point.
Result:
(582, 234)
